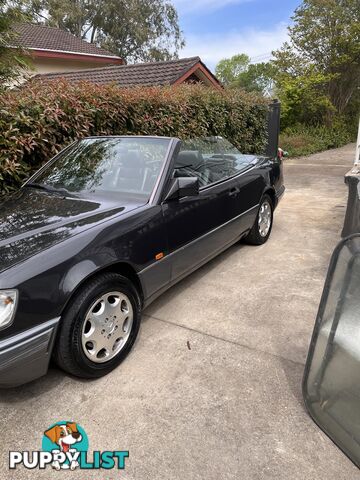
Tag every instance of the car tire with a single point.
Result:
(261, 230)
(90, 323)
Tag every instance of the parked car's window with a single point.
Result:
(211, 159)
(124, 165)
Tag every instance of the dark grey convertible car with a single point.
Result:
(107, 226)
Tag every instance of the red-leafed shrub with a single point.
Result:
(42, 118)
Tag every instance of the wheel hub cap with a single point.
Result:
(265, 217)
(107, 327)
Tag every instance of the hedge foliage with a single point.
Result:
(40, 119)
(303, 140)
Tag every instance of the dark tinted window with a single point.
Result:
(211, 159)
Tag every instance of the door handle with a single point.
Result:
(234, 191)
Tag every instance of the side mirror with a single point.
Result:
(183, 187)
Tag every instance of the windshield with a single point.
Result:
(104, 165)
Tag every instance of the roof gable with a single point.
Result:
(144, 74)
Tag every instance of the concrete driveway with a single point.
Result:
(213, 388)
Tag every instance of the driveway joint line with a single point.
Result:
(232, 342)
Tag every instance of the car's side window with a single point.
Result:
(191, 163)
(211, 159)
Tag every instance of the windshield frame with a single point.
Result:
(168, 156)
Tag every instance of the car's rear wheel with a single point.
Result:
(262, 227)
(99, 327)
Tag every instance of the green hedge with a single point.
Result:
(40, 119)
(304, 140)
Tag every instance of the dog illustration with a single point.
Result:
(65, 436)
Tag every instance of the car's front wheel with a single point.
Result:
(99, 327)
(262, 227)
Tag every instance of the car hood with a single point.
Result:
(34, 220)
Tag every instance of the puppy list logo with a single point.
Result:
(65, 446)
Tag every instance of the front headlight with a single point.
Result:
(8, 301)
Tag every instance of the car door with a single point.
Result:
(244, 189)
(193, 222)
(230, 189)
(245, 182)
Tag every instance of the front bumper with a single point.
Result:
(25, 356)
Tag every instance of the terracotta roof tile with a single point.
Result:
(41, 37)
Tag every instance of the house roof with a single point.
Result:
(146, 74)
(51, 39)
